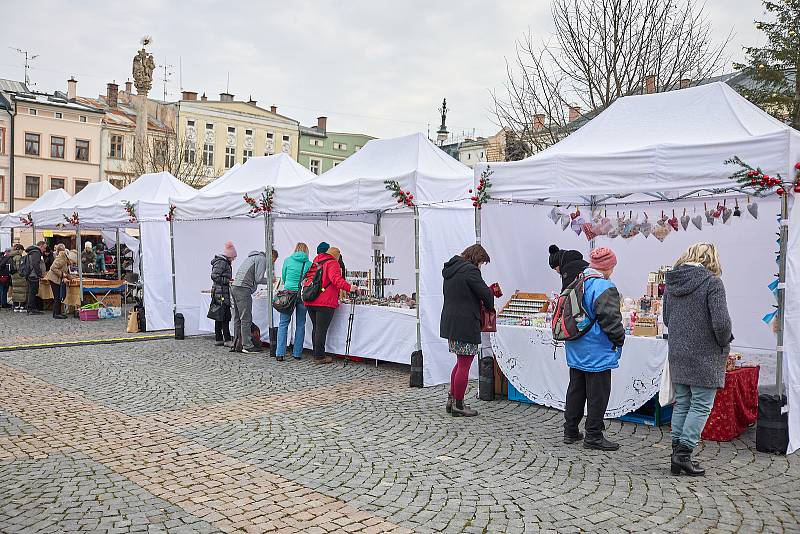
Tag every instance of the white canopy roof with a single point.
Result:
(49, 199)
(91, 195)
(155, 188)
(357, 184)
(661, 143)
(224, 196)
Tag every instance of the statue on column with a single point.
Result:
(443, 111)
(143, 66)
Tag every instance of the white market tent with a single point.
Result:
(49, 199)
(92, 195)
(660, 153)
(355, 191)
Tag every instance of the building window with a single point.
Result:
(80, 185)
(340, 146)
(189, 154)
(160, 149)
(481, 155)
(57, 183)
(357, 148)
(208, 155)
(248, 132)
(58, 115)
(209, 126)
(270, 135)
(32, 186)
(246, 154)
(57, 147)
(117, 144)
(2, 141)
(230, 157)
(2, 188)
(335, 163)
(231, 129)
(119, 184)
(190, 124)
(469, 155)
(81, 150)
(32, 144)
(314, 165)
(312, 142)
(285, 138)
(83, 118)
(33, 111)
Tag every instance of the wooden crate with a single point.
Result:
(112, 299)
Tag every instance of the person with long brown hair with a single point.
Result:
(464, 292)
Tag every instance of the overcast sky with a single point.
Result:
(374, 66)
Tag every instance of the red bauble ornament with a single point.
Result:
(797, 187)
(797, 165)
(780, 191)
(753, 181)
(470, 190)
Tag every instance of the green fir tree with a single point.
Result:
(773, 68)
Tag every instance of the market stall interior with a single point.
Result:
(646, 177)
(366, 205)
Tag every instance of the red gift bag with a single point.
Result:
(488, 320)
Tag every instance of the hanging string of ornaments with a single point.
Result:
(73, 219)
(261, 205)
(27, 220)
(755, 179)
(170, 216)
(130, 209)
(482, 194)
(402, 197)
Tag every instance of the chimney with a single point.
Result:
(204, 98)
(650, 84)
(72, 88)
(251, 101)
(129, 87)
(538, 122)
(574, 112)
(112, 94)
(685, 82)
(225, 97)
(273, 109)
(188, 95)
(322, 124)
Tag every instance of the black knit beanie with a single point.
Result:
(555, 256)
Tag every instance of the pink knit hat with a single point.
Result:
(230, 250)
(602, 259)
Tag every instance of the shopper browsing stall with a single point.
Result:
(464, 292)
(249, 276)
(696, 313)
(294, 270)
(19, 284)
(568, 263)
(592, 357)
(33, 269)
(220, 308)
(55, 276)
(88, 257)
(322, 307)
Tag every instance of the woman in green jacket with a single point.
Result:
(294, 270)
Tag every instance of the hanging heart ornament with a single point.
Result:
(565, 221)
(662, 231)
(646, 228)
(710, 217)
(726, 215)
(673, 222)
(555, 215)
(577, 225)
(685, 219)
(697, 220)
(589, 231)
(753, 209)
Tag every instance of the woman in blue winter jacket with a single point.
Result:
(294, 270)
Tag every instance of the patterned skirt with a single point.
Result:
(462, 347)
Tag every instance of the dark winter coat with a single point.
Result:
(696, 313)
(36, 262)
(221, 274)
(571, 265)
(464, 290)
(19, 286)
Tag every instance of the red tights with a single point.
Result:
(460, 376)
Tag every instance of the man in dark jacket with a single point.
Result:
(249, 276)
(568, 263)
(592, 357)
(36, 271)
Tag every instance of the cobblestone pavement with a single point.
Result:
(167, 436)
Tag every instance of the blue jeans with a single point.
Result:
(3, 295)
(100, 263)
(299, 331)
(692, 407)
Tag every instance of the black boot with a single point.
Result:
(571, 437)
(599, 443)
(682, 462)
(462, 410)
(449, 406)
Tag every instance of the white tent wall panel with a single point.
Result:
(791, 341)
(5, 239)
(156, 266)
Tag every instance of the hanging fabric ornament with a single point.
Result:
(577, 224)
(555, 215)
(604, 227)
(697, 220)
(589, 231)
(673, 222)
(685, 219)
(575, 214)
(753, 209)
(736, 211)
(726, 212)
(646, 227)
(718, 211)
(709, 214)
(662, 231)
(630, 227)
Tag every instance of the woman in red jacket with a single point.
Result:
(321, 308)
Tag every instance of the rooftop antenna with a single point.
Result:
(228, 83)
(166, 78)
(28, 58)
(180, 72)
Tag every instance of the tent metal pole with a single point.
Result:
(79, 246)
(33, 226)
(141, 259)
(416, 274)
(379, 287)
(477, 226)
(119, 259)
(592, 209)
(784, 233)
(172, 261)
(270, 267)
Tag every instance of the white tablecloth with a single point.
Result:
(537, 367)
(379, 332)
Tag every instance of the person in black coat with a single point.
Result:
(568, 263)
(37, 270)
(464, 292)
(220, 308)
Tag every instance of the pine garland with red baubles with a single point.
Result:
(74, 220)
(754, 178)
(482, 195)
(402, 197)
(263, 204)
(171, 214)
(130, 209)
(27, 220)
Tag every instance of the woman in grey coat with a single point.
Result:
(220, 308)
(696, 312)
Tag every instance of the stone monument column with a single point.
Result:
(143, 66)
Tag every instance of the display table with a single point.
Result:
(72, 298)
(735, 406)
(379, 332)
(536, 366)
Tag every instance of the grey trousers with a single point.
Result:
(242, 314)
